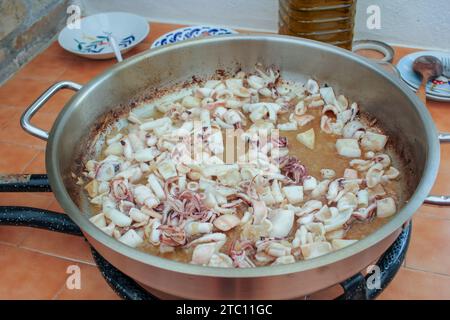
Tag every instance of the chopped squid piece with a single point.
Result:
(282, 222)
(372, 141)
(328, 173)
(350, 174)
(118, 218)
(99, 220)
(156, 187)
(147, 154)
(226, 222)
(220, 260)
(303, 120)
(341, 243)
(363, 197)
(307, 138)
(204, 252)
(308, 207)
(284, 260)
(336, 234)
(315, 249)
(193, 228)
(288, 126)
(309, 183)
(348, 148)
(138, 216)
(213, 174)
(328, 96)
(294, 194)
(312, 86)
(151, 125)
(386, 207)
(109, 229)
(374, 175)
(131, 238)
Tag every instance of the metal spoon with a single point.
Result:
(114, 46)
(429, 67)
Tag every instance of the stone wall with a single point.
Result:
(27, 27)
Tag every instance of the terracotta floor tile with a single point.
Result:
(436, 212)
(82, 70)
(6, 114)
(56, 50)
(17, 157)
(93, 287)
(443, 124)
(37, 165)
(14, 133)
(15, 235)
(58, 244)
(54, 206)
(161, 29)
(141, 47)
(12, 235)
(35, 199)
(54, 105)
(441, 186)
(21, 93)
(411, 284)
(57, 102)
(44, 67)
(30, 275)
(429, 249)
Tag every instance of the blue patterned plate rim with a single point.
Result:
(190, 33)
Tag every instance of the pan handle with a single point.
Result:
(440, 200)
(39, 103)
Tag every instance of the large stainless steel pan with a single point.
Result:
(401, 114)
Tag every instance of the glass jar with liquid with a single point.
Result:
(330, 21)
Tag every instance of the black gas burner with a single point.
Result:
(354, 288)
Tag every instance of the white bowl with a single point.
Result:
(91, 40)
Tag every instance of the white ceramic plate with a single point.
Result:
(190, 33)
(430, 96)
(404, 66)
(92, 39)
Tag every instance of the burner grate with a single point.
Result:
(354, 288)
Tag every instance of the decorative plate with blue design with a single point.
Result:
(92, 38)
(191, 33)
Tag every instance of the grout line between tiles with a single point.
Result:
(7, 106)
(22, 108)
(57, 256)
(34, 147)
(52, 79)
(51, 204)
(58, 292)
(22, 145)
(9, 244)
(30, 162)
(426, 271)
